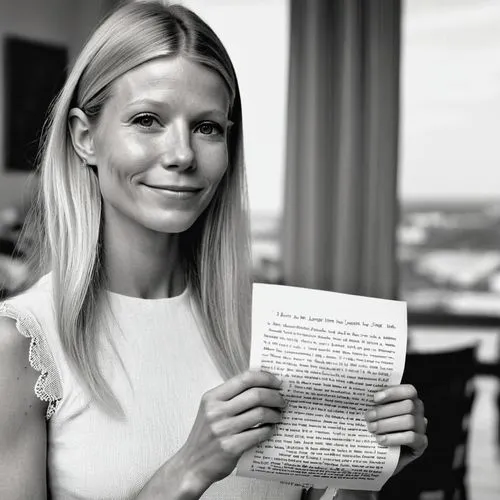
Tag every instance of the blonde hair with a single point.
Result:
(67, 217)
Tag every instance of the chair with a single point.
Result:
(444, 381)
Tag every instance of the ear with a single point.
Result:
(81, 135)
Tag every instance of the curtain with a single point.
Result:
(341, 209)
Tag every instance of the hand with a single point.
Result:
(398, 419)
(232, 418)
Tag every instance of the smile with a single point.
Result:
(176, 192)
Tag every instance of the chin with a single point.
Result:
(177, 223)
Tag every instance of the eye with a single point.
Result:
(145, 120)
(210, 128)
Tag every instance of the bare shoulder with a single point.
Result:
(17, 377)
(22, 420)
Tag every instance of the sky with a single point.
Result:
(450, 95)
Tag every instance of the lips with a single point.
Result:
(175, 193)
(178, 189)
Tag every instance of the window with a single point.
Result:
(449, 237)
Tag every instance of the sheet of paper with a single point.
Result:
(333, 352)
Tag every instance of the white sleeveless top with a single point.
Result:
(168, 368)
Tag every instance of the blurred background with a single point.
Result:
(371, 135)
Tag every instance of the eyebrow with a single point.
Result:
(154, 102)
(146, 100)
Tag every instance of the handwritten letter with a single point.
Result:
(333, 352)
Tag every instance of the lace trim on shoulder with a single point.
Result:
(48, 386)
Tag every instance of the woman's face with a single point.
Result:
(160, 143)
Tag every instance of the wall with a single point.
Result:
(62, 22)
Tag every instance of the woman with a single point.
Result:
(137, 320)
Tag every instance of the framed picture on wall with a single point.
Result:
(34, 72)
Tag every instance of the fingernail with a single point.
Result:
(379, 396)
(381, 439)
(371, 414)
(372, 426)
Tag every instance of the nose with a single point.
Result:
(178, 154)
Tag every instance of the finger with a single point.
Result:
(245, 421)
(407, 406)
(236, 444)
(243, 381)
(395, 393)
(254, 397)
(416, 441)
(406, 422)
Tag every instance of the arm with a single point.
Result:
(232, 418)
(173, 478)
(23, 432)
(23, 438)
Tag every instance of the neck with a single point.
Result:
(140, 262)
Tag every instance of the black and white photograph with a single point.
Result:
(249, 250)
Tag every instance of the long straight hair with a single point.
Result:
(66, 217)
